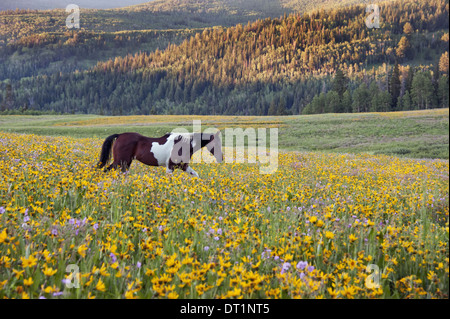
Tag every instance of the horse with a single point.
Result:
(173, 150)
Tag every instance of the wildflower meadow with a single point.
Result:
(324, 225)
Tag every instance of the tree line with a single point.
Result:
(402, 90)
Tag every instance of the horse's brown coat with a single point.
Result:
(130, 146)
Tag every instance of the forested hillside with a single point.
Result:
(34, 42)
(47, 53)
(158, 14)
(325, 61)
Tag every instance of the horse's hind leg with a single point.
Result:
(124, 165)
(123, 156)
(112, 166)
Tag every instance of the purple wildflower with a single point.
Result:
(302, 265)
(285, 267)
(266, 251)
(65, 281)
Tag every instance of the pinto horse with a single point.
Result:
(173, 150)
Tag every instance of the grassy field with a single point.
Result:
(413, 134)
(309, 230)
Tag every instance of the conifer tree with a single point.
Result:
(402, 49)
(443, 91)
(394, 86)
(422, 90)
(340, 83)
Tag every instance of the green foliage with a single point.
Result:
(333, 103)
(394, 87)
(361, 99)
(405, 102)
(340, 83)
(422, 90)
(443, 92)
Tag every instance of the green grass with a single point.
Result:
(415, 134)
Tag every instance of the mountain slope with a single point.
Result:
(158, 14)
(38, 42)
(272, 65)
(262, 8)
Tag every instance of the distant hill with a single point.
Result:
(34, 42)
(181, 5)
(157, 14)
(266, 7)
(61, 4)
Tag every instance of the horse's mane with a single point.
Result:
(185, 137)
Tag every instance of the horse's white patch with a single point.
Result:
(162, 152)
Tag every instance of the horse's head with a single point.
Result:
(214, 146)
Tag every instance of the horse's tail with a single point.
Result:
(106, 150)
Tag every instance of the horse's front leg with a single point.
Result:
(169, 168)
(189, 170)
